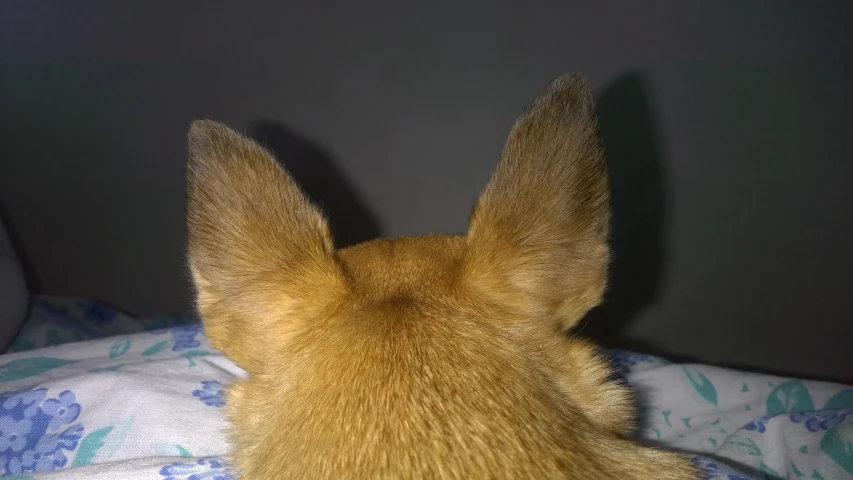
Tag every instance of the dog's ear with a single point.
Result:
(260, 253)
(538, 237)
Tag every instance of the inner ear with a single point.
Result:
(538, 237)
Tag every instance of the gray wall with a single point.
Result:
(728, 126)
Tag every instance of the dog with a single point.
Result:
(440, 356)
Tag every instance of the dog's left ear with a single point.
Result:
(260, 253)
(537, 240)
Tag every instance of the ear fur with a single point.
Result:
(538, 237)
(258, 249)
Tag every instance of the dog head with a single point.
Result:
(423, 357)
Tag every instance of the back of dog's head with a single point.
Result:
(425, 357)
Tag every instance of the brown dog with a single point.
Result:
(425, 357)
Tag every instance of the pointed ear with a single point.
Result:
(538, 237)
(260, 253)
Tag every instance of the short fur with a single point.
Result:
(424, 357)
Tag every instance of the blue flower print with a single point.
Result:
(183, 336)
(211, 393)
(36, 432)
(203, 469)
(759, 424)
(100, 314)
(63, 410)
(13, 433)
(716, 471)
(625, 360)
(821, 420)
(28, 399)
(47, 454)
(66, 440)
(36, 461)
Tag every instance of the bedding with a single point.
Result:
(88, 392)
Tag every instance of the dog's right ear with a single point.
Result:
(260, 253)
(537, 241)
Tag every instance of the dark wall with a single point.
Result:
(727, 124)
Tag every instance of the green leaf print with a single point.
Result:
(115, 439)
(767, 473)
(666, 414)
(156, 348)
(90, 445)
(796, 470)
(702, 385)
(194, 353)
(748, 445)
(837, 444)
(183, 451)
(112, 368)
(789, 397)
(840, 400)
(29, 367)
(120, 348)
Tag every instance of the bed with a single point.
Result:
(89, 392)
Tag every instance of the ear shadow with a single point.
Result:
(349, 218)
(638, 199)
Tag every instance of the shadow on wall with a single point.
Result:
(349, 218)
(638, 183)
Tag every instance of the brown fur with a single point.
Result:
(425, 357)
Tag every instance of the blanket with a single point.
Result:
(78, 401)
